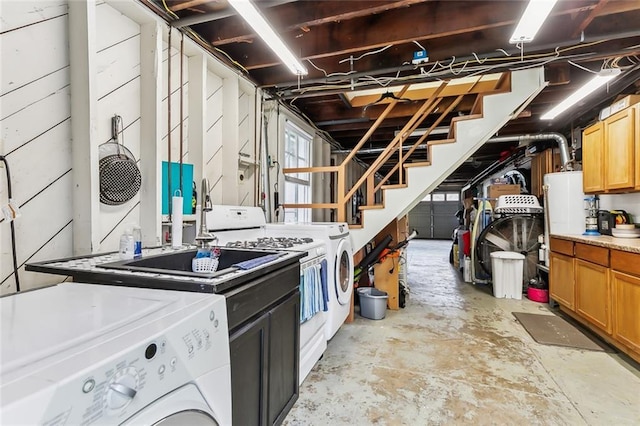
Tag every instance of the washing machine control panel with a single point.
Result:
(130, 372)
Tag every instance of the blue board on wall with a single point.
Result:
(187, 185)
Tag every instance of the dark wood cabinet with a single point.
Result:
(248, 373)
(264, 365)
(284, 356)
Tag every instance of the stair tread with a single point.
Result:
(418, 164)
(355, 226)
(394, 186)
(466, 117)
(375, 206)
(442, 141)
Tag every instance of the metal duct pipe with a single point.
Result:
(560, 139)
(565, 156)
(374, 150)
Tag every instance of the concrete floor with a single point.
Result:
(456, 355)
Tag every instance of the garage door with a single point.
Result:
(434, 217)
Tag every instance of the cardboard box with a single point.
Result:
(494, 191)
(619, 105)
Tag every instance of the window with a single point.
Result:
(437, 197)
(297, 187)
(453, 196)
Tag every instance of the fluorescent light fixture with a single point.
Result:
(602, 78)
(248, 11)
(531, 20)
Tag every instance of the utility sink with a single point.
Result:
(180, 263)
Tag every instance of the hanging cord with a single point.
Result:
(11, 225)
(181, 105)
(169, 206)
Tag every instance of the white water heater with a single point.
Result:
(565, 202)
(564, 205)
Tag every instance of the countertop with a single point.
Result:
(624, 244)
(86, 269)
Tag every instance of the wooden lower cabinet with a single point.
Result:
(561, 279)
(626, 313)
(593, 293)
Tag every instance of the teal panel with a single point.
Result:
(187, 185)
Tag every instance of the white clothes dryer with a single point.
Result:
(340, 265)
(87, 354)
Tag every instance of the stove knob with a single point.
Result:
(122, 389)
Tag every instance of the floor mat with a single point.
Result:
(554, 330)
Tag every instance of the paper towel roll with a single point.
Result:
(176, 223)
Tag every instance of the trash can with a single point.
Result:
(506, 271)
(373, 303)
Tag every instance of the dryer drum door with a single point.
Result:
(344, 273)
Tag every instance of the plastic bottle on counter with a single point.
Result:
(127, 245)
(137, 241)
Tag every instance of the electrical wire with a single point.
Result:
(419, 45)
(581, 67)
(333, 73)
(373, 52)
(169, 11)
(11, 224)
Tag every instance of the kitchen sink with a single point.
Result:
(180, 263)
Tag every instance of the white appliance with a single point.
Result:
(564, 205)
(87, 354)
(245, 227)
(340, 261)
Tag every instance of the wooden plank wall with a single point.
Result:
(35, 116)
(35, 134)
(118, 92)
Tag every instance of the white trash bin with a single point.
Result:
(506, 271)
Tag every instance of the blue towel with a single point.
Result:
(252, 263)
(325, 290)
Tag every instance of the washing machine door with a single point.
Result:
(344, 272)
(181, 407)
(191, 418)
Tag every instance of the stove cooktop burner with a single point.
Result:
(270, 242)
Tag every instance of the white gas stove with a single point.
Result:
(246, 228)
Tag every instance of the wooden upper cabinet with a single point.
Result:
(619, 147)
(637, 153)
(592, 162)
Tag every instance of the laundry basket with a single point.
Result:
(373, 303)
(507, 273)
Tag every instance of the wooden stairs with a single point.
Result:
(490, 112)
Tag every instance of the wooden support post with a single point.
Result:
(371, 183)
(341, 187)
(84, 143)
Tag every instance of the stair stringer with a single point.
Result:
(445, 158)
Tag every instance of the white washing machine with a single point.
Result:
(340, 265)
(86, 354)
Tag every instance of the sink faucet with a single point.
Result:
(204, 236)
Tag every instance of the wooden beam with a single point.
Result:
(293, 17)
(84, 142)
(315, 169)
(593, 13)
(150, 133)
(391, 28)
